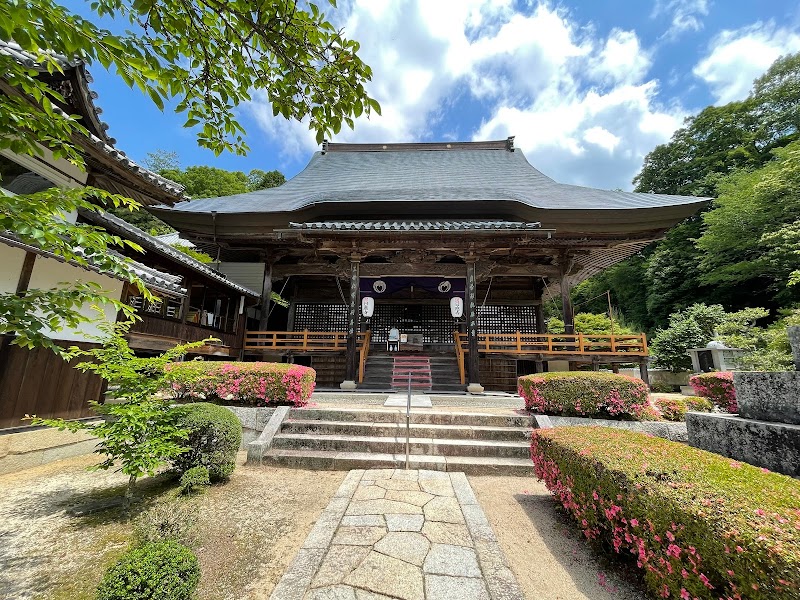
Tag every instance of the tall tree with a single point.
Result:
(737, 244)
(206, 55)
(712, 148)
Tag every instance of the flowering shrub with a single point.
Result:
(701, 526)
(255, 383)
(585, 394)
(717, 387)
(698, 404)
(672, 409)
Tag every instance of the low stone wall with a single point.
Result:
(254, 419)
(774, 446)
(769, 396)
(32, 448)
(670, 431)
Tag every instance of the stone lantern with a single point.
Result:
(716, 356)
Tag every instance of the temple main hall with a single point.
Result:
(433, 259)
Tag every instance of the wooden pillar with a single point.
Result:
(643, 372)
(266, 295)
(615, 367)
(566, 301)
(538, 309)
(353, 325)
(595, 365)
(471, 302)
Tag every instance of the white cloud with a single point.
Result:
(580, 104)
(738, 57)
(684, 15)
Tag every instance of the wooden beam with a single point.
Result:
(471, 310)
(353, 322)
(485, 268)
(25, 272)
(266, 295)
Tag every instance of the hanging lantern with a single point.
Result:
(367, 307)
(456, 307)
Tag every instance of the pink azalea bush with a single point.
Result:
(253, 383)
(672, 409)
(588, 394)
(717, 387)
(699, 525)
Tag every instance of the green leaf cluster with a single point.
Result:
(743, 251)
(140, 431)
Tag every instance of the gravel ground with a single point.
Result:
(247, 530)
(546, 551)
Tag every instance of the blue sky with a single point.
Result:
(587, 87)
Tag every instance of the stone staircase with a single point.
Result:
(382, 373)
(411, 366)
(343, 439)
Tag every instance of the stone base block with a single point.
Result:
(475, 388)
(348, 386)
(769, 396)
(774, 446)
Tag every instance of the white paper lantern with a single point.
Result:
(456, 307)
(367, 307)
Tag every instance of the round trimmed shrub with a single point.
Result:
(215, 435)
(155, 571)
(698, 404)
(672, 409)
(717, 387)
(586, 394)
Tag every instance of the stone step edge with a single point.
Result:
(401, 438)
(435, 426)
(340, 460)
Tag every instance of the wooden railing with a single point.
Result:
(547, 343)
(300, 342)
(363, 352)
(460, 355)
(526, 344)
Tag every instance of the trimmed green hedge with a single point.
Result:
(254, 383)
(588, 394)
(700, 525)
(157, 570)
(215, 434)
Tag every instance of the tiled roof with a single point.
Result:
(104, 145)
(415, 225)
(467, 172)
(153, 244)
(157, 281)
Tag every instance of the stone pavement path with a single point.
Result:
(409, 535)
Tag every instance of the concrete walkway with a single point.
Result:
(409, 535)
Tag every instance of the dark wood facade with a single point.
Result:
(39, 382)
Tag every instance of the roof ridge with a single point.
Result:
(506, 144)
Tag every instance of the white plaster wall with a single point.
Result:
(11, 260)
(49, 273)
(557, 365)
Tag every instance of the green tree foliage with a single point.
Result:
(208, 182)
(742, 252)
(590, 323)
(41, 220)
(695, 326)
(261, 180)
(141, 431)
(739, 243)
(177, 52)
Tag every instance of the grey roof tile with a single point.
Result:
(461, 174)
(153, 244)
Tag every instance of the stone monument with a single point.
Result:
(766, 432)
